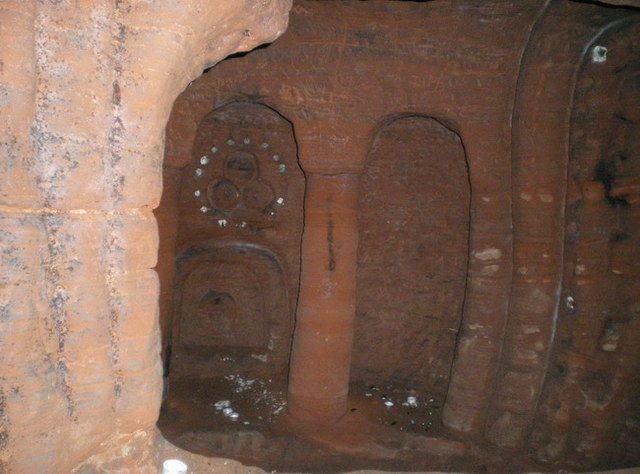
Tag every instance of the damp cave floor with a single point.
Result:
(406, 438)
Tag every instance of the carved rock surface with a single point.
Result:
(85, 93)
(501, 76)
(412, 257)
(546, 349)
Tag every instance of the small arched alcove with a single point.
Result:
(230, 226)
(412, 264)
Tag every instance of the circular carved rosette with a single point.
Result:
(240, 183)
(257, 195)
(223, 195)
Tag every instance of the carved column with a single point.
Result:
(321, 357)
(323, 336)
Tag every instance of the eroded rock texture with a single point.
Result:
(85, 91)
(412, 257)
(446, 203)
(238, 246)
(482, 156)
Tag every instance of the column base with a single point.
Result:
(356, 433)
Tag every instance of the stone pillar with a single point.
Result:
(332, 154)
(321, 357)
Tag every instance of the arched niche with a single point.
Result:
(232, 313)
(238, 207)
(594, 363)
(241, 185)
(242, 189)
(243, 181)
(412, 257)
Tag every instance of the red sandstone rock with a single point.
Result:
(535, 104)
(85, 92)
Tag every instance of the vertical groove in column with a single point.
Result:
(112, 268)
(44, 171)
(114, 183)
(57, 298)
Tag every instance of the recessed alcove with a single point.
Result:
(234, 212)
(233, 240)
(230, 273)
(414, 211)
(355, 272)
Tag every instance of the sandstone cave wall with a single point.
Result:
(240, 208)
(85, 92)
(508, 91)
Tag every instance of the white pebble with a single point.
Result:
(174, 466)
(222, 404)
(411, 402)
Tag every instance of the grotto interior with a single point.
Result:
(384, 234)
(350, 280)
